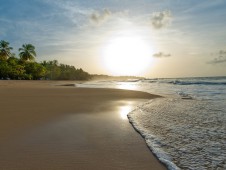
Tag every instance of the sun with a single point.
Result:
(127, 55)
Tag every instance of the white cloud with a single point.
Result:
(70, 10)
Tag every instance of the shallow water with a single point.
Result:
(184, 134)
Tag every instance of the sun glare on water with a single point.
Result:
(127, 55)
(124, 110)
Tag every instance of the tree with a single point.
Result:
(27, 52)
(17, 70)
(53, 71)
(4, 70)
(5, 50)
(36, 70)
(56, 71)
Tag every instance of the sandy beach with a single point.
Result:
(44, 126)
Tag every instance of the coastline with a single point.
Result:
(44, 126)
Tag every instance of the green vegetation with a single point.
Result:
(5, 50)
(27, 52)
(25, 67)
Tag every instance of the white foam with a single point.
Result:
(186, 134)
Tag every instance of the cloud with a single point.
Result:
(221, 58)
(98, 17)
(161, 55)
(161, 19)
(69, 11)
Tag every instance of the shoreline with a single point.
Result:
(67, 127)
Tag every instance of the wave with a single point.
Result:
(179, 82)
(189, 81)
(183, 134)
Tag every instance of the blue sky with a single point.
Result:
(187, 38)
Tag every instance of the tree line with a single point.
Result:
(25, 67)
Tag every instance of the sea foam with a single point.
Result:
(183, 134)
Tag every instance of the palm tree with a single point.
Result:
(27, 52)
(5, 50)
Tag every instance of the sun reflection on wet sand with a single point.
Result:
(124, 110)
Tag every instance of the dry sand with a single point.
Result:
(48, 127)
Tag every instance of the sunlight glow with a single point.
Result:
(124, 111)
(127, 86)
(127, 55)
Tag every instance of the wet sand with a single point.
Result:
(43, 126)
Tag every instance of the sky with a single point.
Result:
(161, 38)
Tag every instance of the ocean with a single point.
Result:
(186, 129)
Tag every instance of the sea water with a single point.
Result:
(187, 128)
